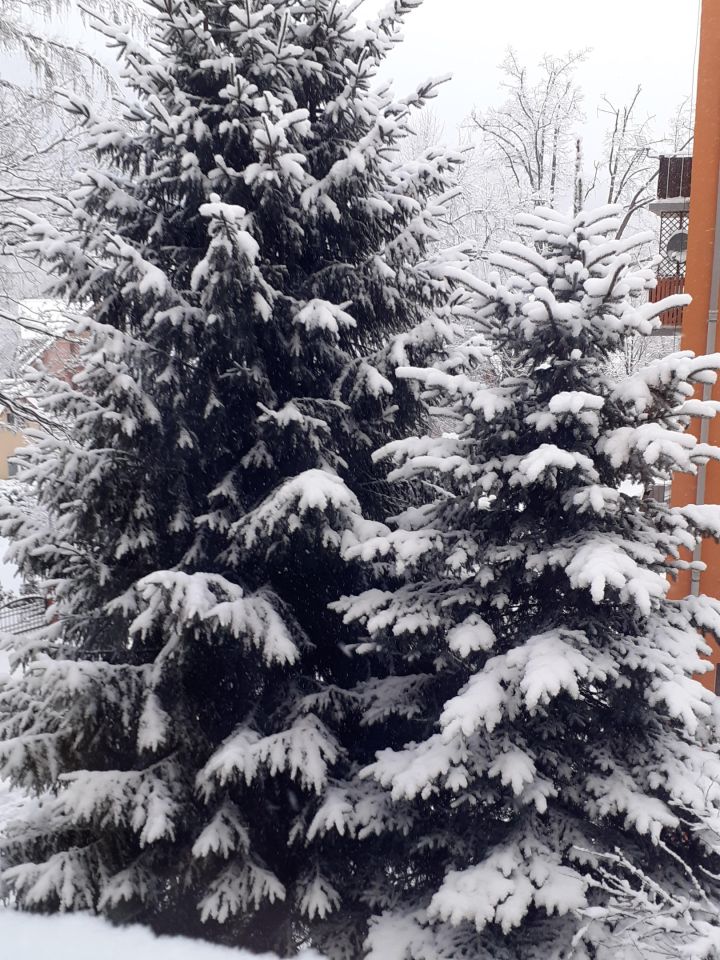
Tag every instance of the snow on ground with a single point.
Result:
(80, 937)
(10, 802)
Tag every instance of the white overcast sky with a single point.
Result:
(647, 42)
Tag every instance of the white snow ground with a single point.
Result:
(79, 937)
(10, 803)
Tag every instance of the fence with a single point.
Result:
(667, 287)
(23, 614)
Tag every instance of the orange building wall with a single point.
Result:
(10, 441)
(60, 359)
(701, 246)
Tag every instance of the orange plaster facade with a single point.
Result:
(702, 240)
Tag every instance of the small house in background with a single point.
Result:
(43, 345)
(672, 206)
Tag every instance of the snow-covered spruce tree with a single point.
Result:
(553, 769)
(254, 260)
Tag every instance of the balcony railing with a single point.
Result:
(667, 287)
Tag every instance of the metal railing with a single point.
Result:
(23, 614)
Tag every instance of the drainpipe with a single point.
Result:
(708, 387)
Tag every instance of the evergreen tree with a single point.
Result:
(255, 261)
(553, 768)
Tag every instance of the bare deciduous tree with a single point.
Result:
(682, 124)
(629, 144)
(627, 172)
(532, 131)
(38, 152)
(38, 138)
(25, 29)
(483, 210)
(530, 149)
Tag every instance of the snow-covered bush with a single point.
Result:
(551, 765)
